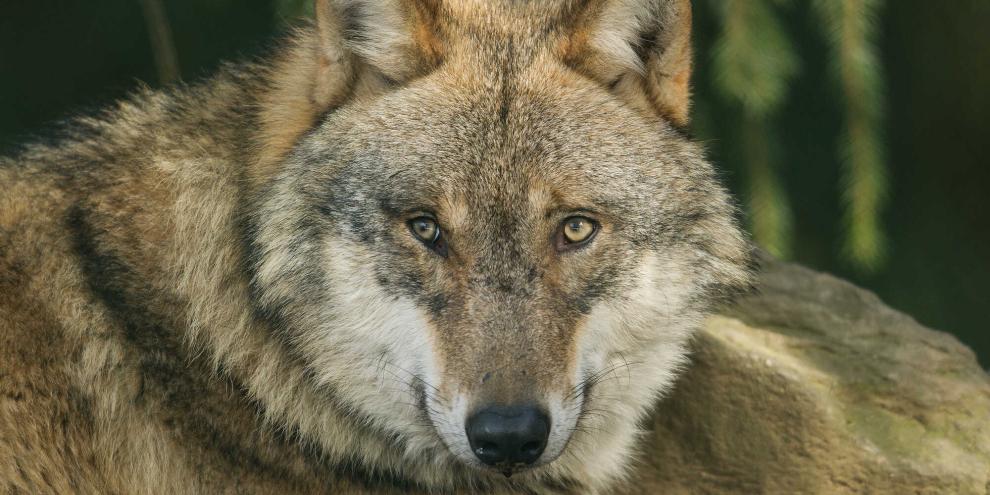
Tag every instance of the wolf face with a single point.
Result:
(496, 246)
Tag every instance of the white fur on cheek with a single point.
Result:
(638, 346)
(371, 347)
(449, 420)
(562, 426)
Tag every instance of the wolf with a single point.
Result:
(423, 246)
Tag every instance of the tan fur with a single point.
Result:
(212, 289)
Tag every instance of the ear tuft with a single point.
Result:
(641, 48)
(335, 71)
(356, 47)
(398, 39)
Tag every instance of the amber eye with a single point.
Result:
(427, 230)
(576, 231)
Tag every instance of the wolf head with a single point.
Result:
(493, 243)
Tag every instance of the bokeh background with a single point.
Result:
(856, 133)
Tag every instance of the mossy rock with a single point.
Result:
(812, 385)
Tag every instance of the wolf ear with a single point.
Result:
(641, 49)
(356, 47)
(394, 40)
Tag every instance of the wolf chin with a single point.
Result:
(423, 246)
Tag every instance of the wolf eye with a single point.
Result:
(575, 232)
(427, 230)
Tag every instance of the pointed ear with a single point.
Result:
(394, 40)
(356, 47)
(641, 49)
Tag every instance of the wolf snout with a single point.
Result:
(508, 437)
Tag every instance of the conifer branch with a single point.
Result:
(753, 64)
(851, 31)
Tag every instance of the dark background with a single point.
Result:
(59, 58)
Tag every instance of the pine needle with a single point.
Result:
(851, 30)
(753, 65)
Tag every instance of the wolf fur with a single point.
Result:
(212, 288)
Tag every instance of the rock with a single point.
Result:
(813, 385)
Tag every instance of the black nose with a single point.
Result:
(508, 437)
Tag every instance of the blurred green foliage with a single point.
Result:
(855, 132)
(754, 63)
(289, 10)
